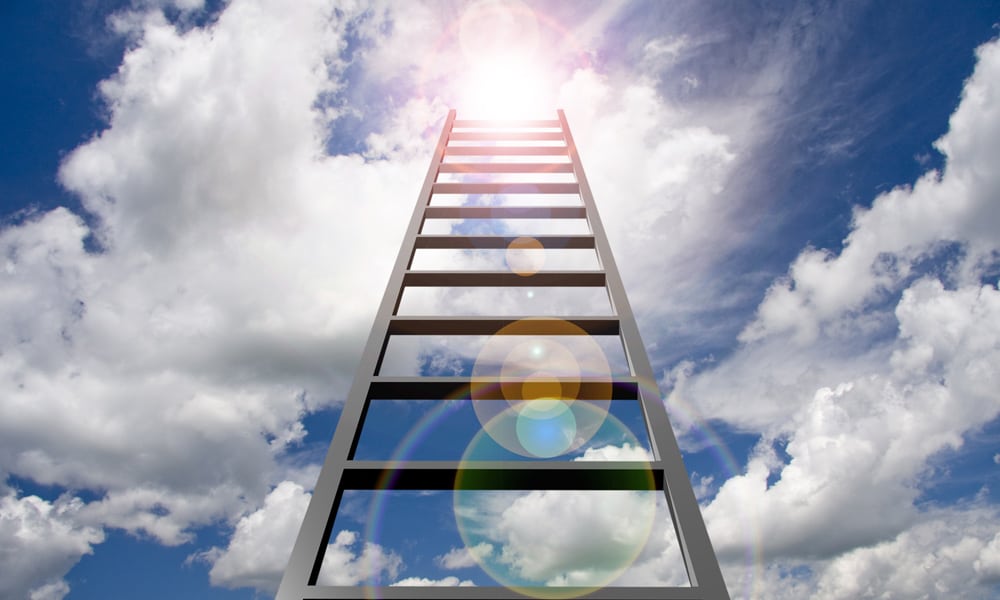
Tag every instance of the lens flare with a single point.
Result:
(506, 86)
(525, 256)
(500, 44)
(528, 391)
(554, 544)
(492, 27)
(546, 428)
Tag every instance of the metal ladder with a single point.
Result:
(342, 472)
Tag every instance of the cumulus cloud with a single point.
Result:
(857, 369)
(262, 542)
(449, 581)
(874, 435)
(220, 281)
(666, 178)
(904, 225)
(987, 564)
(937, 557)
(343, 565)
(575, 538)
(217, 286)
(41, 542)
(626, 452)
(563, 538)
(464, 557)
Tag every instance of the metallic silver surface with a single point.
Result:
(340, 472)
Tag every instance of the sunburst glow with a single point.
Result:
(505, 86)
(506, 73)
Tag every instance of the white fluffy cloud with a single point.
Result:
(987, 564)
(237, 268)
(935, 558)
(562, 538)
(463, 558)
(626, 452)
(41, 542)
(855, 451)
(262, 542)
(851, 416)
(573, 538)
(449, 581)
(239, 265)
(904, 225)
(342, 565)
(660, 191)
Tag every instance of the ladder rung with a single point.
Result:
(365, 592)
(505, 136)
(503, 278)
(506, 150)
(502, 241)
(488, 388)
(504, 124)
(493, 325)
(511, 167)
(505, 212)
(506, 188)
(502, 475)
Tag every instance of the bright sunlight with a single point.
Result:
(505, 72)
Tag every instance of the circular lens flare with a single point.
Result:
(491, 27)
(553, 544)
(546, 427)
(541, 387)
(525, 256)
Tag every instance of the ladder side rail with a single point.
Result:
(692, 535)
(310, 544)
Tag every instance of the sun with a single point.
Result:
(505, 86)
(505, 72)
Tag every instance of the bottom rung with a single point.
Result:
(502, 593)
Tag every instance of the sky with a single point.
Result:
(200, 203)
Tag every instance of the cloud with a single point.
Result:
(262, 542)
(577, 539)
(661, 53)
(424, 582)
(563, 538)
(41, 542)
(890, 566)
(55, 590)
(903, 226)
(664, 198)
(987, 564)
(939, 556)
(464, 557)
(218, 285)
(626, 452)
(857, 369)
(342, 566)
(856, 450)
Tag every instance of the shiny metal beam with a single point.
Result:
(664, 472)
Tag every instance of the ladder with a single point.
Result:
(523, 147)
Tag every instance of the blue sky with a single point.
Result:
(200, 203)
